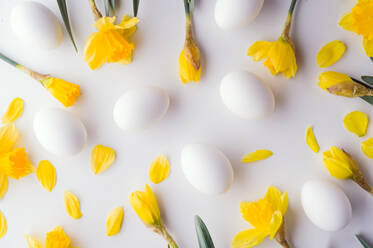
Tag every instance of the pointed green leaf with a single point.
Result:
(107, 7)
(135, 7)
(363, 242)
(371, 58)
(65, 17)
(191, 5)
(368, 80)
(204, 238)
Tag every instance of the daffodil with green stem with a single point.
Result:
(65, 92)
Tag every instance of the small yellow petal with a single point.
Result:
(248, 238)
(3, 225)
(8, 137)
(159, 169)
(311, 140)
(3, 184)
(72, 205)
(275, 224)
(368, 47)
(14, 111)
(367, 147)
(330, 53)
(32, 243)
(46, 174)
(114, 221)
(356, 122)
(256, 156)
(101, 158)
(57, 238)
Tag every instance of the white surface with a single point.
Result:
(196, 114)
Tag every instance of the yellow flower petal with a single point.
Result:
(102, 158)
(338, 163)
(146, 206)
(356, 122)
(368, 47)
(256, 156)
(275, 224)
(8, 137)
(259, 50)
(367, 147)
(347, 22)
(65, 92)
(114, 221)
(258, 214)
(188, 73)
(3, 225)
(3, 184)
(14, 111)
(330, 53)
(159, 169)
(46, 174)
(311, 140)
(32, 243)
(277, 200)
(72, 205)
(15, 164)
(248, 238)
(57, 238)
(330, 78)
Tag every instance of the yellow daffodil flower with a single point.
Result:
(279, 55)
(356, 122)
(311, 140)
(56, 238)
(145, 205)
(342, 165)
(267, 217)
(360, 21)
(330, 53)
(189, 59)
(342, 85)
(14, 111)
(110, 44)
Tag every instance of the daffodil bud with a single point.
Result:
(350, 89)
(65, 92)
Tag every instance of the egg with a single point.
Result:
(36, 26)
(326, 205)
(59, 132)
(246, 95)
(231, 14)
(206, 168)
(138, 108)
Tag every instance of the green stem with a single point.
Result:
(96, 13)
(292, 6)
(8, 60)
(164, 233)
(135, 7)
(286, 31)
(187, 7)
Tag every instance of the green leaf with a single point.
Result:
(204, 238)
(368, 80)
(135, 7)
(363, 242)
(65, 18)
(191, 5)
(371, 58)
(113, 4)
(107, 7)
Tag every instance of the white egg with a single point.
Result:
(138, 108)
(59, 132)
(231, 14)
(245, 95)
(326, 205)
(206, 168)
(36, 26)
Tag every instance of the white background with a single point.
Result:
(196, 114)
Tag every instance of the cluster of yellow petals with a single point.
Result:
(360, 21)
(114, 221)
(330, 53)
(14, 111)
(159, 169)
(356, 122)
(102, 157)
(65, 92)
(256, 156)
(279, 56)
(56, 238)
(339, 164)
(111, 43)
(265, 215)
(72, 205)
(311, 140)
(145, 205)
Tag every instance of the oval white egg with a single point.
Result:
(36, 25)
(59, 132)
(231, 14)
(326, 205)
(245, 95)
(206, 168)
(137, 109)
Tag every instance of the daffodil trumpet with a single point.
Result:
(145, 205)
(190, 56)
(341, 165)
(279, 55)
(65, 92)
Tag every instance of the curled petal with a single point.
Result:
(356, 122)
(72, 205)
(311, 140)
(256, 156)
(46, 174)
(114, 221)
(102, 157)
(159, 169)
(14, 111)
(330, 53)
